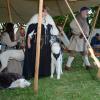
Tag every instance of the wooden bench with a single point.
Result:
(97, 54)
(95, 51)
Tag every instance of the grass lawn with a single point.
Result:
(77, 84)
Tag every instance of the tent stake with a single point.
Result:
(38, 47)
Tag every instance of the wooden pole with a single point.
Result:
(65, 21)
(90, 48)
(94, 23)
(38, 47)
(9, 10)
(96, 18)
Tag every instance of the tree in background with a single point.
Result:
(67, 30)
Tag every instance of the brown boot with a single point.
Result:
(67, 68)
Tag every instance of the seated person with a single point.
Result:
(20, 36)
(7, 38)
(9, 52)
(95, 43)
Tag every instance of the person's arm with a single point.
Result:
(29, 38)
(17, 35)
(63, 37)
(8, 42)
(29, 42)
(31, 32)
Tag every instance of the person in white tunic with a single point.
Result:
(8, 55)
(77, 41)
(10, 51)
(7, 37)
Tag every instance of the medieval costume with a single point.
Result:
(16, 56)
(20, 36)
(7, 38)
(9, 56)
(48, 29)
(77, 41)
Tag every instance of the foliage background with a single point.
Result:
(67, 30)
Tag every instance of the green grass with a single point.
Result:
(77, 84)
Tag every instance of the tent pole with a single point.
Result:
(90, 48)
(65, 21)
(96, 18)
(38, 47)
(94, 22)
(9, 10)
(98, 11)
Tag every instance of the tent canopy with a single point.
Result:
(23, 10)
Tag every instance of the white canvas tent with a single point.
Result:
(57, 7)
(22, 10)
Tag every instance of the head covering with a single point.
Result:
(84, 8)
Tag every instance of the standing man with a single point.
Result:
(77, 41)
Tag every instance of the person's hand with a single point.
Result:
(65, 49)
(81, 36)
(61, 30)
(29, 45)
